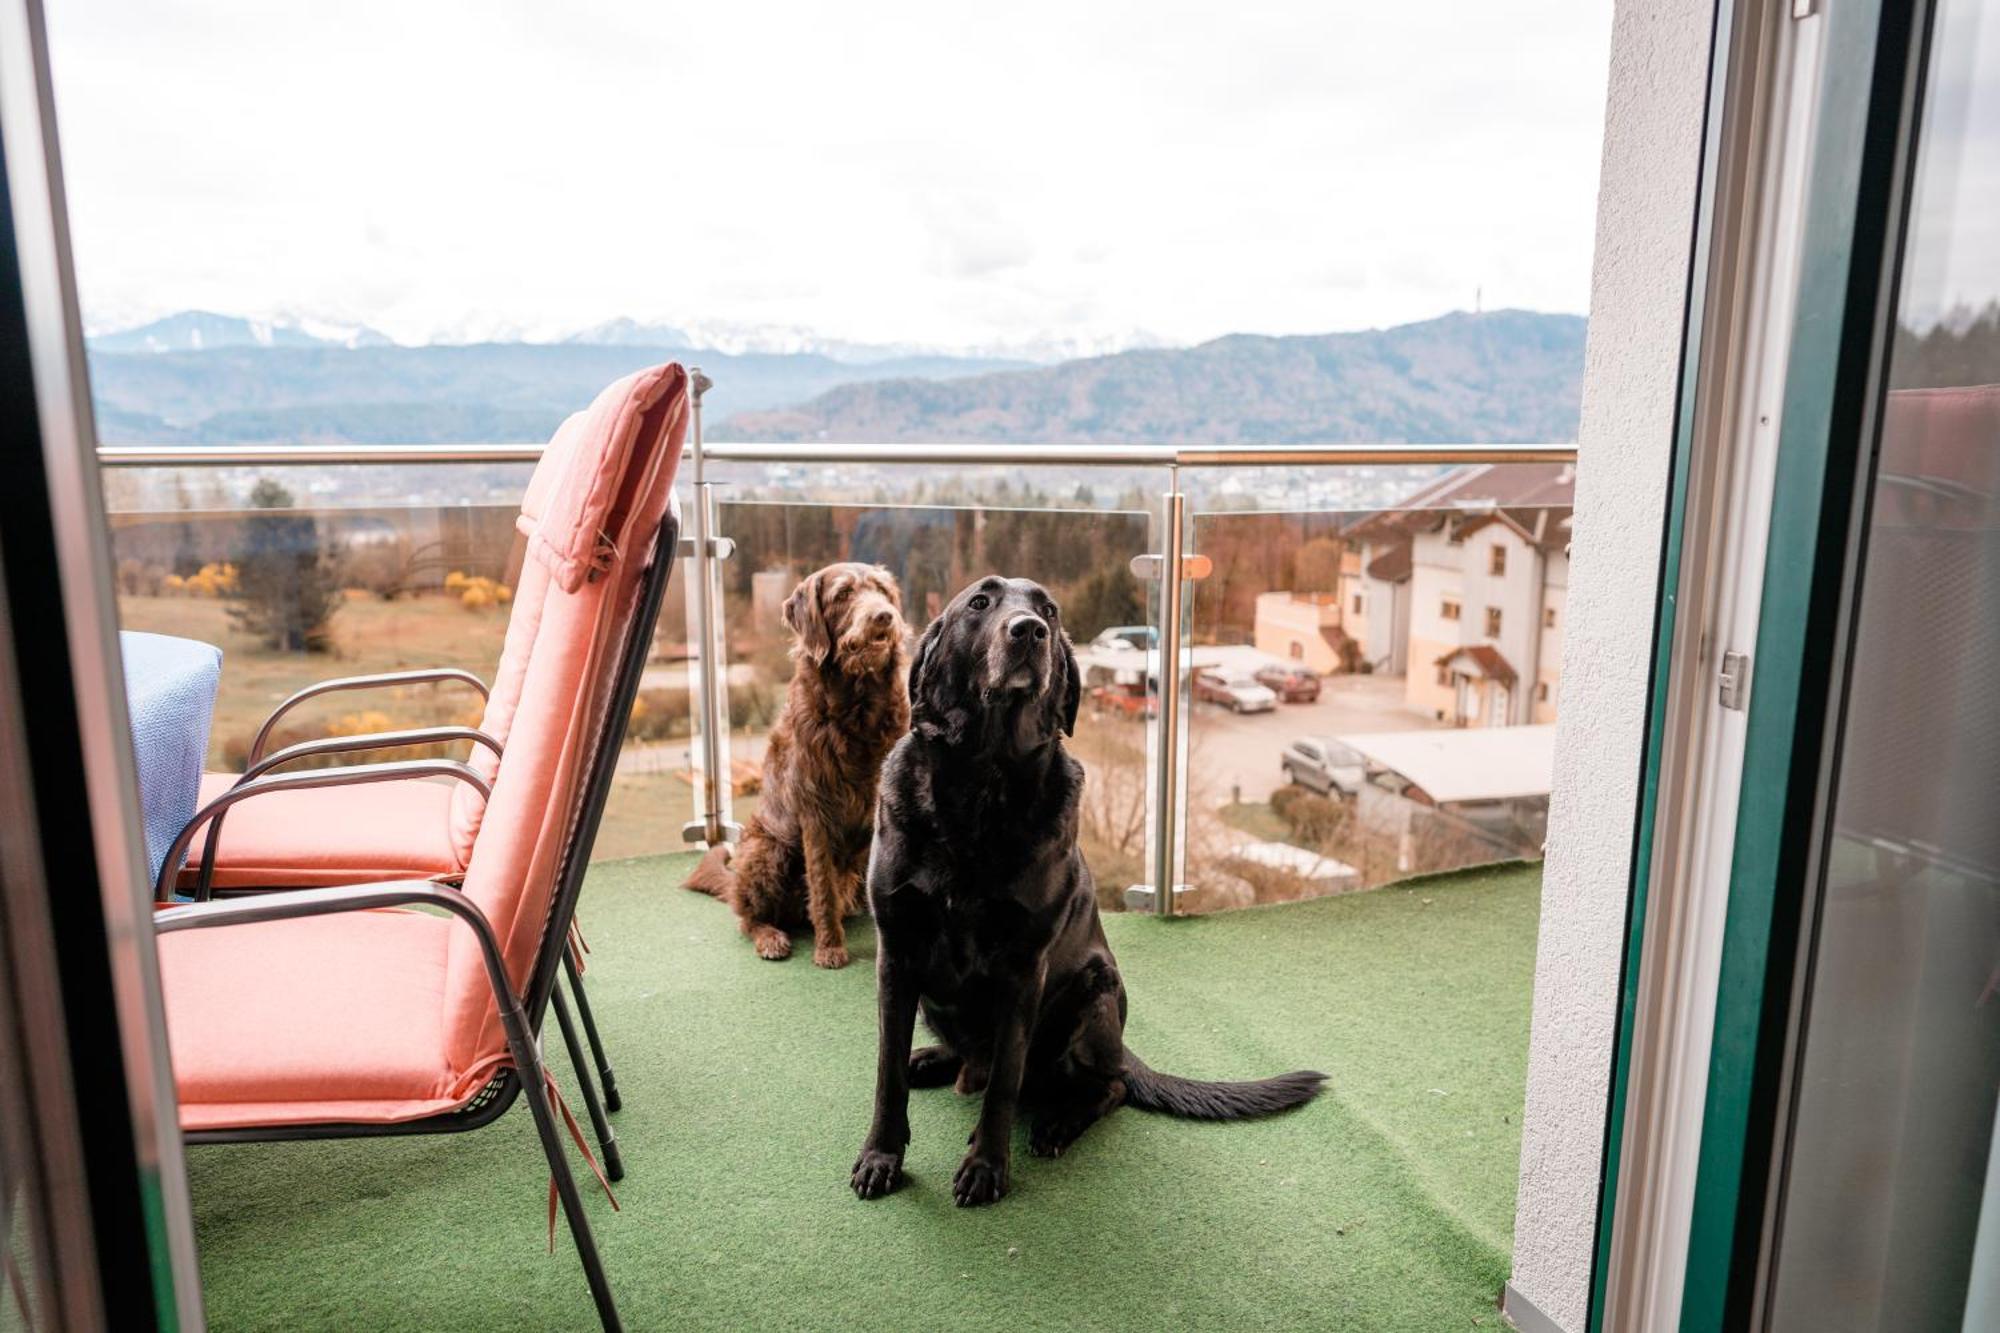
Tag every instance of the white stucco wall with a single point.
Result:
(1645, 212)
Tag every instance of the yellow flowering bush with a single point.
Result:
(211, 580)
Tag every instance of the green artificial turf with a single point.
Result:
(1387, 1204)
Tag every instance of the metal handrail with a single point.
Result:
(970, 454)
(974, 453)
(278, 455)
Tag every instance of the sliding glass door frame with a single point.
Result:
(1864, 140)
(76, 936)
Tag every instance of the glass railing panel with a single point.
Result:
(1375, 656)
(1073, 530)
(300, 573)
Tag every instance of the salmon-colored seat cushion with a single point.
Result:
(330, 835)
(330, 1018)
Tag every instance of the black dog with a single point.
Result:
(987, 914)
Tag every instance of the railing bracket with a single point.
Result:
(1141, 897)
(719, 548)
(699, 830)
(1194, 568)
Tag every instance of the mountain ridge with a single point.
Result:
(1510, 376)
(478, 392)
(1506, 376)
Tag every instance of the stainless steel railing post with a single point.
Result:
(705, 588)
(1167, 784)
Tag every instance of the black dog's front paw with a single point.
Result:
(979, 1181)
(876, 1173)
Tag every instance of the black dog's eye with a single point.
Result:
(1049, 611)
(980, 602)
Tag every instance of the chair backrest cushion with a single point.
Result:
(590, 521)
(569, 492)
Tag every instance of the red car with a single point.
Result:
(1126, 699)
(1292, 684)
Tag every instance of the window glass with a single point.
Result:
(1891, 1204)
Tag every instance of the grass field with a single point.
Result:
(1387, 1205)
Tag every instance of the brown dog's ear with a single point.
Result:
(803, 614)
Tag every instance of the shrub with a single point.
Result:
(753, 703)
(1314, 820)
(658, 715)
(287, 586)
(480, 593)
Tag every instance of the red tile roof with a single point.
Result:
(1488, 659)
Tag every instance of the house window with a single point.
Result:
(1357, 603)
(1448, 609)
(1444, 675)
(1548, 617)
(1492, 622)
(1496, 562)
(1542, 692)
(1298, 651)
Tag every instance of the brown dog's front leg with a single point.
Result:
(983, 1175)
(826, 896)
(879, 1168)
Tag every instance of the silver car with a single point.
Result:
(1325, 765)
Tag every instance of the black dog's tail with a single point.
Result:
(713, 875)
(1194, 1099)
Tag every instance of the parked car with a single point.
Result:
(1125, 698)
(1325, 765)
(1238, 691)
(1295, 685)
(1143, 637)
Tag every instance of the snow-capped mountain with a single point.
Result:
(794, 340)
(206, 331)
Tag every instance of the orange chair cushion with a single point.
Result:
(330, 835)
(323, 1019)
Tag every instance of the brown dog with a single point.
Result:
(803, 853)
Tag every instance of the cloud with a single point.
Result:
(972, 238)
(898, 171)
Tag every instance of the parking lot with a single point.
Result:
(1237, 757)
(1233, 757)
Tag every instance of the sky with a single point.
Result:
(937, 173)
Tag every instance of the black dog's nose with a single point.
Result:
(1020, 627)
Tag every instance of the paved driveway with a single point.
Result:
(1229, 753)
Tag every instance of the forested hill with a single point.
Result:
(1507, 376)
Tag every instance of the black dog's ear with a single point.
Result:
(1072, 697)
(1065, 693)
(934, 713)
(803, 614)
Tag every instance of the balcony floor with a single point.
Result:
(1387, 1204)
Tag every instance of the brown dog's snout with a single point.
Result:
(1026, 626)
(882, 621)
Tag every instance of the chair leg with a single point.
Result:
(607, 1137)
(534, 1087)
(612, 1101)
